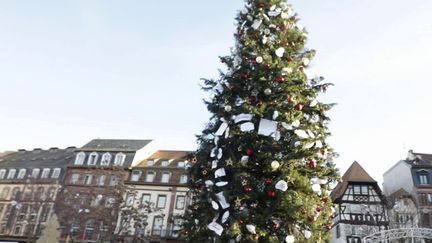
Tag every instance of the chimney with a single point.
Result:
(37, 150)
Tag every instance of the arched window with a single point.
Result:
(80, 157)
(35, 172)
(106, 159)
(119, 159)
(2, 173)
(15, 193)
(17, 230)
(21, 173)
(5, 193)
(92, 159)
(11, 174)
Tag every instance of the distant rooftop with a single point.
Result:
(37, 158)
(419, 158)
(114, 145)
(170, 155)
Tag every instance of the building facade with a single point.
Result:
(413, 175)
(29, 183)
(362, 208)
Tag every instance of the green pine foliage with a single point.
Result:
(263, 169)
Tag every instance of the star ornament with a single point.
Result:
(229, 162)
(237, 202)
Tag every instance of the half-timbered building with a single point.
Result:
(361, 206)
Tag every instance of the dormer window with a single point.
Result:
(165, 163)
(183, 179)
(2, 174)
(423, 177)
(150, 176)
(35, 172)
(11, 174)
(92, 158)
(165, 177)
(21, 173)
(150, 162)
(106, 159)
(136, 174)
(119, 159)
(181, 164)
(45, 173)
(79, 160)
(56, 173)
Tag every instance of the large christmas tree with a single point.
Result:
(263, 169)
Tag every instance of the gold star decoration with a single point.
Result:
(237, 202)
(229, 162)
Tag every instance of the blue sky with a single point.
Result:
(71, 71)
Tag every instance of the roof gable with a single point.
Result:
(127, 145)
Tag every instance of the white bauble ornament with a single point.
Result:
(323, 181)
(251, 228)
(281, 185)
(259, 59)
(307, 234)
(290, 239)
(280, 51)
(275, 165)
(305, 61)
(316, 188)
(256, 24)
(267, 91)
(286, 70)
(313, 103)
(264, 39)
(228, 108)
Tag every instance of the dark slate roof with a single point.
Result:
(355, 173)
(38, 158)
(420, 159)
(126, 145)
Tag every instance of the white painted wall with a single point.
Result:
(397, 177)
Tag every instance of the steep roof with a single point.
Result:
(418, 159)
(114, 145)
(38, 158)
(160, 155)
(355, 173)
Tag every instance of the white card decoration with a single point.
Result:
(323, 181)
(273, 13)
(286, 126)
(222, 200)
(316, 188)
(239, 237)
(297, 143)
(267, 127)
(256, 24)
(227, 132)
(281, 185)
(275, 115)
(290, 239)
(220, 173)
(221, 129)
(247, 127)
(209, 183)
(213, 153)
(318, 144)
(244, 159)
(215, 205)
(243, 117)
(295, 123)
(218, 88)
(277, 135)
(301, 133)
(217, 228)
(221, 183)
(214, 164)
(251, 228)
(225, 216)
(308, 145)
(307, 234)
(311, 134)
(196, 221)
(313, 103)
(314, 180)
(220, 153)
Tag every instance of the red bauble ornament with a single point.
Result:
(271, 194)
(325, 199)
(282, 27)
(241, 221)
(280, 79)
(312, 164)
(248, 189)
(249, 152)
(290, 59)
(245, 76)
(276, 146)
(230, 142)
(256, 34)
(329, 227)
(267, 65)
(232, 87)
(298, 107)
(312, 218)
(290, 99)
(240, 33)
(301, 69)
(253, 61)
(261, 5)
(268, 181)
(303, 211)
(318, 209)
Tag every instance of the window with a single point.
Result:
(88, 179)
(89, 229)
(74, 178)
(176, 227)
(21, 173)
(423, 178)
(136, 174)
(109, 202)
(2, 173)
(56, 173)
(161, 201)
(40, 194)
(119, 159)
(157, 225)
(113, 180)
(150, 176)
(11, 173)
(35, 172)
(130, 200)
(165, 163)
(106, 159)
(183, 179)
(51, 193)
(145, 199)
(22, 212)
(80, 157)
(181, 164)
(338, 231)
(45, 173)
(165, 177)
(101, 180)
(180, 202)
(44, 213)
(5, 193)
(17, 230)
(150, 162)
(92, 158)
